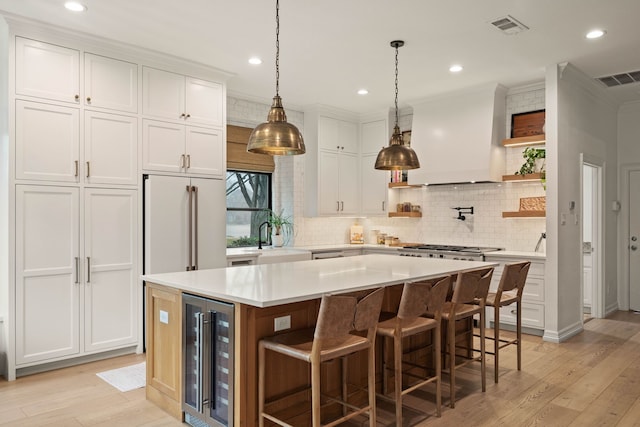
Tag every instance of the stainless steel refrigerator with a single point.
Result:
(184, 224)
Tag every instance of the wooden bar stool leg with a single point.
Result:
(451, 337)
(397, 362)
(261, 385)
(372, 385)
(438, 361)
(315, 393)
(385, 372)
(519, 332)
(483, 358)
(344, 384)
(496, 340)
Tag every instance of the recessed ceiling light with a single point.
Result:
(255, 61)
(362, 92)
(595, 34)
(455, 68)
(75, 6)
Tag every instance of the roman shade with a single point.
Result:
(237, 156)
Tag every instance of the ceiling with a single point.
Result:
(332, 48)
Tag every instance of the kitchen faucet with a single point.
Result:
(260, 233)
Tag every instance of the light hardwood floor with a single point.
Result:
(591, 380)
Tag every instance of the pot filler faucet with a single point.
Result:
(543, 235)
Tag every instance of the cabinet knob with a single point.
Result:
(182, 116)
(188, 115)
(77, 97)
(89, 99)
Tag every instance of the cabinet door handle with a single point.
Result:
(188, 115)
(182, 161)
(76, 163)
(88, 100)
(77, 270)
(342, 206)
(182, 116)
(338, 206)
(77, 97)
(514, 311)
(190, 227)
(88, 170)
(88, 269)
(194, 191)
(383, 206)
(188, 161)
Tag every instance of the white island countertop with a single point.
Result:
(275, 284)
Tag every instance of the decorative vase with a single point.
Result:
(278, 240)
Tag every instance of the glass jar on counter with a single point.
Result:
(381, 238)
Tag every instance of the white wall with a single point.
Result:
(581, 118)
(4, 197)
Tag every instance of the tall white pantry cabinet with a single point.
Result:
(71, 198)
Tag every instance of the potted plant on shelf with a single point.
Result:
(534, 163)
(280, 225)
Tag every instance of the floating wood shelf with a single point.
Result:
(524, 214)
(527, 177)
(525, 141)
(405, 214)
(402, 185)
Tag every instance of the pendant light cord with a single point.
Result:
(278, 49)
(396, 85)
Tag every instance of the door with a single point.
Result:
(110, 149)
(203, 102)
(204, 149)
(163, 146)
(634, 239)
(166, 236)
(110, 83)
(47, 142)
(47, 273)
(47, 71)
(110, 268)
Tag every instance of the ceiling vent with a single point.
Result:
(509, 25)
(620, 79)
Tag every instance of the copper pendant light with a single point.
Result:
(276, 136)
(397, 156)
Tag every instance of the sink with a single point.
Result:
(271, 255)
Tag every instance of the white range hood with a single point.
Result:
(458, 137)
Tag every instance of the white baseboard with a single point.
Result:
(610, 309)
(562, 335)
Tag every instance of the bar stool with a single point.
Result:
(468, 299)
(509, 291)
(331, 339)
(417, 298)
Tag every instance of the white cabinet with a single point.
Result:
(48, 71)
(374, 183)
(532, 297)
(110, 83)
(171, 147)
(177, 97)
(332, 165)
(47, 273)
(110, 149)
(66, 290)
(337, 134)
(47, 142)
(338, 183)
(110, 276)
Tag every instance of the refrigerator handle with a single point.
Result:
(194, 190)
(213, 328)
(200, 344)
(190, 228)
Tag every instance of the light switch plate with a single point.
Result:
(282, 323)
(164, 317)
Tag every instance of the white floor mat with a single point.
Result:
(127, 378)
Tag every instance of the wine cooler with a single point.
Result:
(207, 346)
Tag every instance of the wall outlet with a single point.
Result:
(281, 323)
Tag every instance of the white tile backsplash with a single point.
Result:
(485, 227)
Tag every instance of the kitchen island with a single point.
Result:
(261, 294)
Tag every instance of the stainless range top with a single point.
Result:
(472, 253)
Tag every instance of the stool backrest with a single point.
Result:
(341, 314)
(472, 286)
(425, 296)
(514, 276)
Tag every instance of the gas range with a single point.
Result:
(470, 253)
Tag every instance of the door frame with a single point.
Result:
(623, 258)
(597, 244)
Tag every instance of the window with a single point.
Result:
(248, 206)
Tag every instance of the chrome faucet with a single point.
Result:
(543, 235)
(260, 234)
